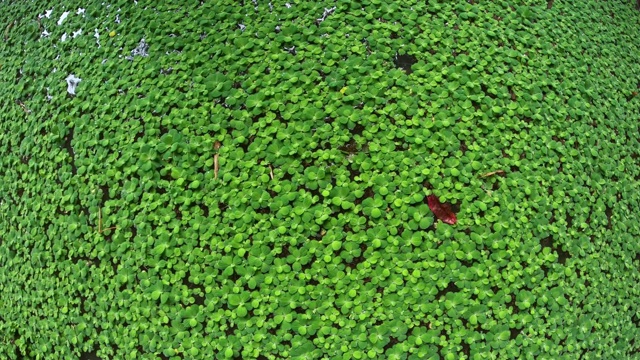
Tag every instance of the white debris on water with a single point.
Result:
(63, 17)
(72, 82)
(140, 50)
(47, 14)
(326, 13)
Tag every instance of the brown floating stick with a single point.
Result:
(100, 229)
(7, 29)
(497, 172)
(23, 106)
(487, 191)
(216, 162)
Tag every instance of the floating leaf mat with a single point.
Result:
(250, 180)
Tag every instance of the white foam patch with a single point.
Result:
(63, 17)
(47, 14)
(72, 82)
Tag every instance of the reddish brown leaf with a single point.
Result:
(442, 211)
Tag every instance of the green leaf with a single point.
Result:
(160, 249)
(155, 295)
(503, 335)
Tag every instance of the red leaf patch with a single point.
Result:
(441, 211)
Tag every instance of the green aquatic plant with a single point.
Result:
(257, 180)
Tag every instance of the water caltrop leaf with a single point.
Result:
(441, 211)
